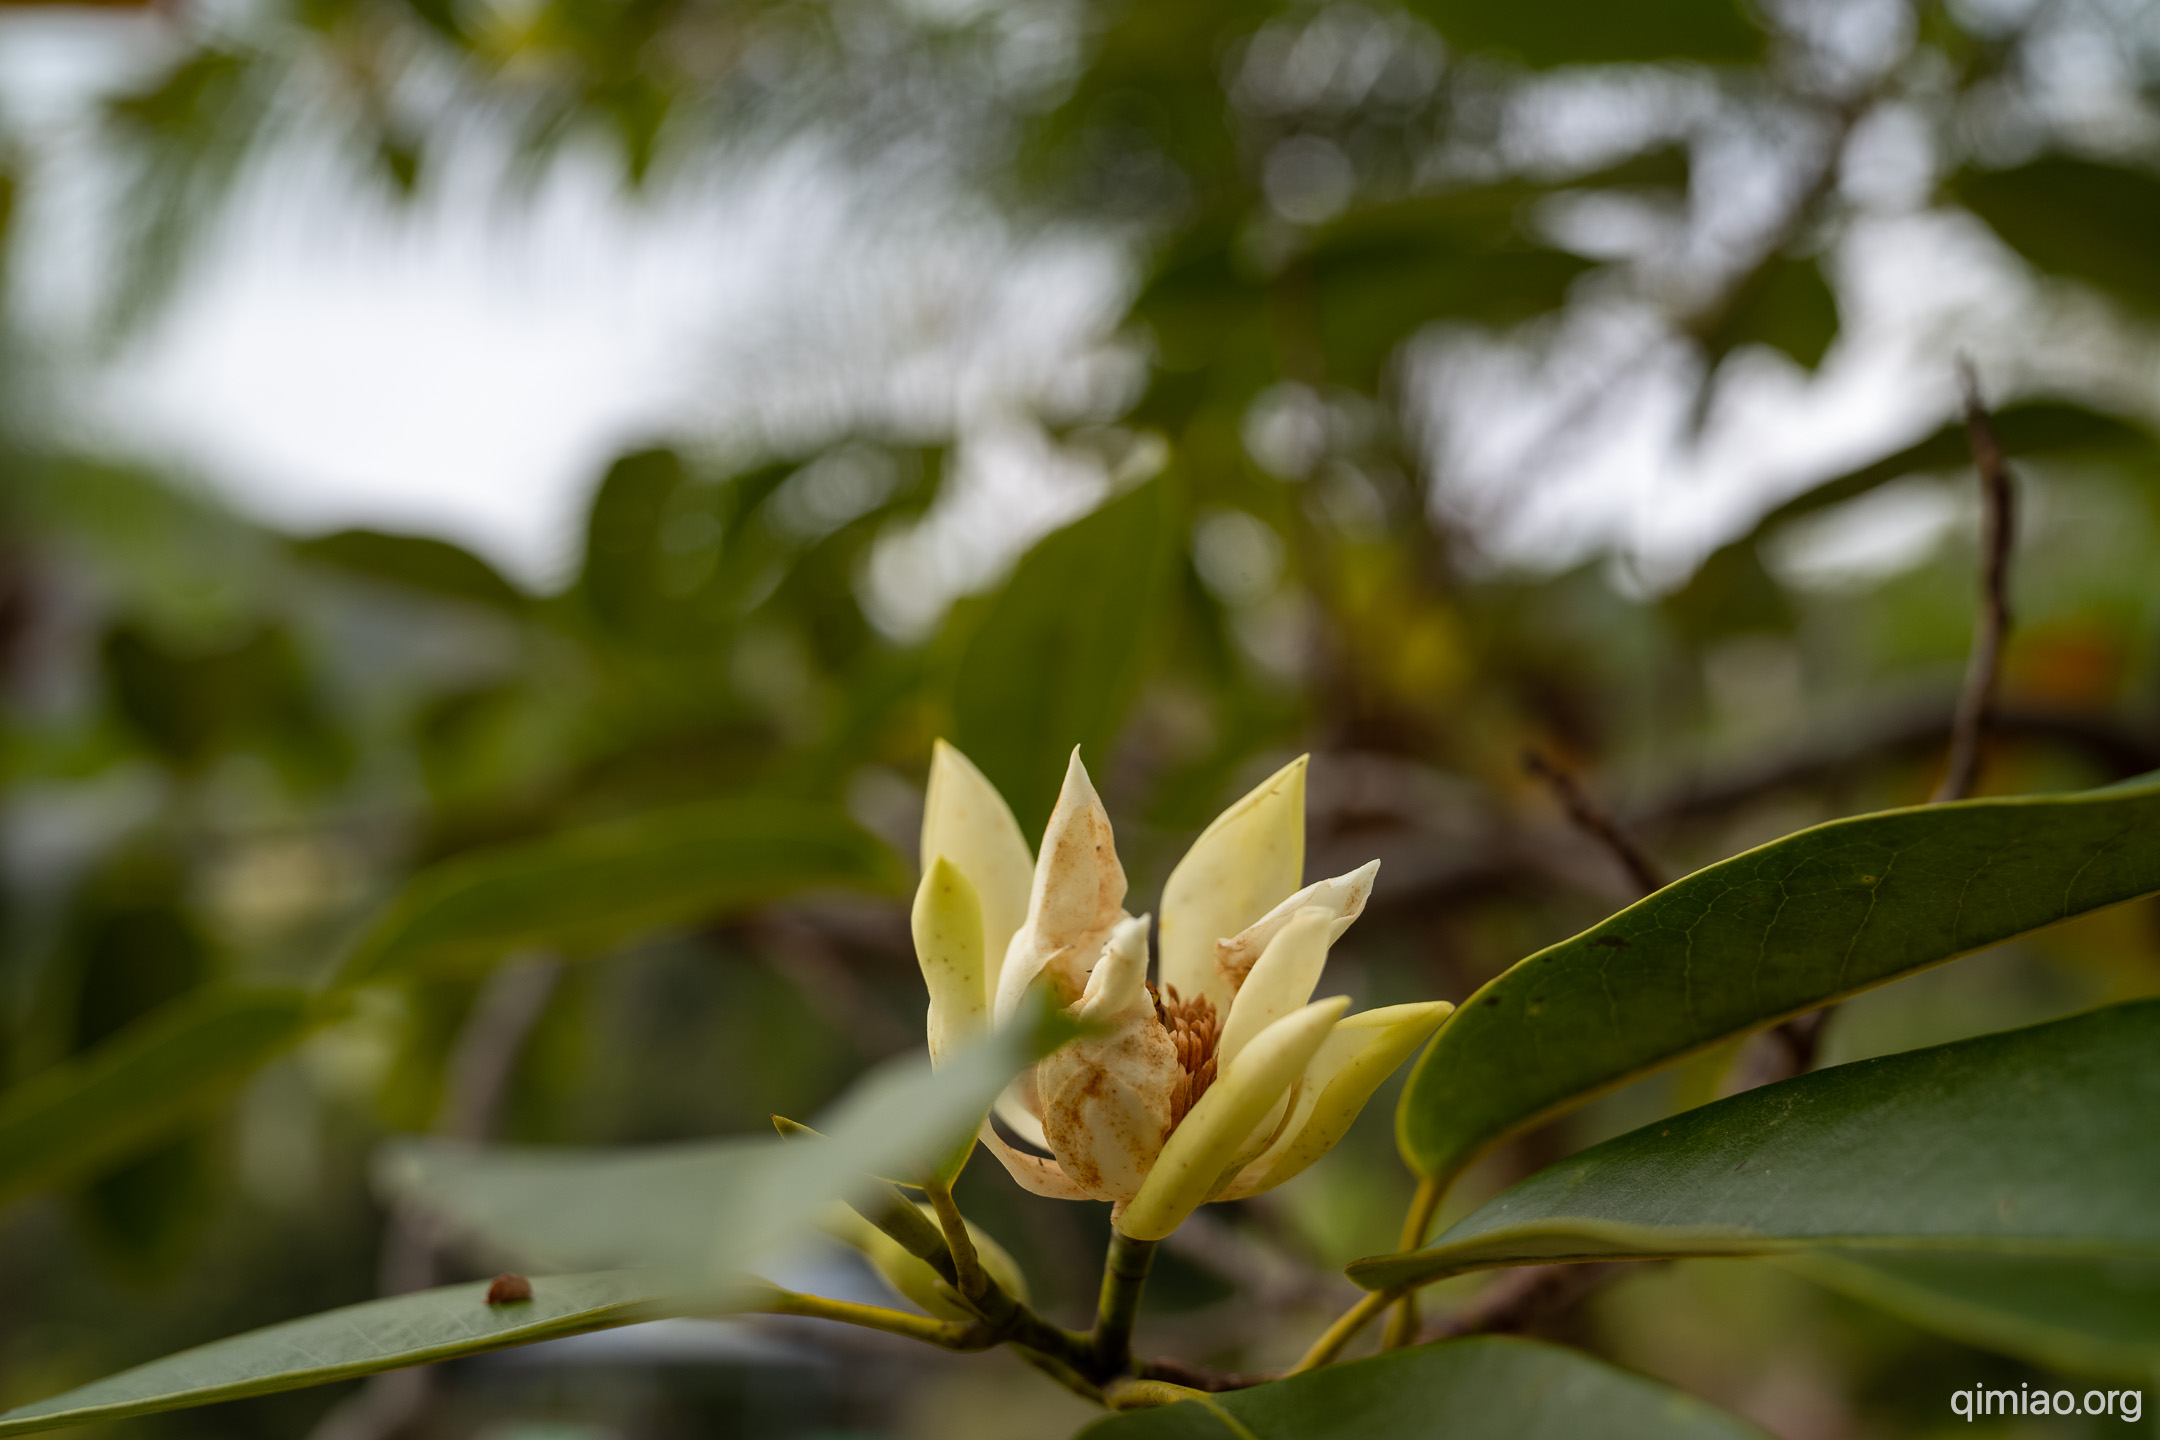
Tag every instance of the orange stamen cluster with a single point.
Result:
(1195, 1030)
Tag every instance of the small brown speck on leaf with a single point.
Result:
(509, 1290)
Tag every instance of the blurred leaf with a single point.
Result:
(143, 1215)
(342, 1344)
(2082, 1315)
(418, 562)
(1783, 929)
(1789, 307)
(1584, 32)
(1727, 593)
(185, 138)
(706, 1214)
(625, 540)
(132, 945)
(1063, 649)
(2038, 1141)
(1382, 273)
(1731, 593)
(2076, 218)
(143, 1083)
(584, 890)
(193, 707)
(1368, 281)
(1489, 1388)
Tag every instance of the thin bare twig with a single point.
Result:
(487, 1048)
(1976, 702)
(1592, 820)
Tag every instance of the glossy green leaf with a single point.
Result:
(1777, 931)
(2081, 219)
(1490, 1388)
(2082, 1315)
(342, 1344)
(417, 562)
(144, 1083)
(2038, 1141)
(708, 1212)
(1584, 32)
(583, 890)
(1063, 649)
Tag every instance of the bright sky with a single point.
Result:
(467, 365)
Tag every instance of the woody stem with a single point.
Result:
(1125, 1272)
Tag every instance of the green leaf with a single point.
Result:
(2038, 1141)
(1383, 272)
(1789, 307)
(1585, 32)
(146, 1082)
(1780, 930)
(694, 1219)
(1489, 1388)
(1732, 591)
(625, 542)
(417, 562)
(583, 890)
(2081, 1315)
(1063, 650)
(707, 1213)
(342, 1344)
(2075, 218)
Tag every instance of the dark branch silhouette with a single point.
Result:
(1591, 819)
(1997, 536)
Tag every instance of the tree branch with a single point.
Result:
(1591, 819)
(1997, 537)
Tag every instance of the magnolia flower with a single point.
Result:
(1223, 1080)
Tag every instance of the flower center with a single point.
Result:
(1194, 1030)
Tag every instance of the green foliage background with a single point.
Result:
(275, 804)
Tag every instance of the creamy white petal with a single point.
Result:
(1246, 861)
(1106, 1098)
(1206, 1144)
(1033, 1173)
(1358, 1055)
(1280, 982)
(947, 925)
(969, 823)
(1017, 1107)
(1118, 983)
(1077, 896)
(1344, 897)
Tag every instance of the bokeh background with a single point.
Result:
(431, 424)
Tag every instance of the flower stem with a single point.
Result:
(946, 1334)
(1125, 1272)
(969, 1278)
(1344, 1330)
(1403, 1324)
